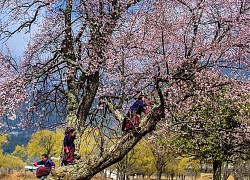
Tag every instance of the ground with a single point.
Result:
(26, 175)
(18, 175)
(208, 176)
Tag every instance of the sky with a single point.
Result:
(17, 44)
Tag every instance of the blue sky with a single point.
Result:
(18, 41)
(17, 44)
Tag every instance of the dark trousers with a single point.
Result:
(132, 120)
(42, 171)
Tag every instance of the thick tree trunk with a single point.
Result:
(77, 111)
(217, 169)
(86, 170)
(73, 121)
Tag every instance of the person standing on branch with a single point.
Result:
(45, 170)
(69, 146)
(132, 119)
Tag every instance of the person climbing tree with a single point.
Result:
(69, 146)
(132, 119)
(45, 170)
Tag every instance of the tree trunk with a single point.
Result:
(159, 173)
(77, 112)
(226, 172)
(160, 164)
(217, 169)
(172, 176)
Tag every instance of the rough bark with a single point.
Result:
(77, 115)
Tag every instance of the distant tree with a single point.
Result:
(219, 135)
(143, 159)
(182, 167)
(3, 139)
(167, 160)
(161, 151)
(8, 160)
(20, 151)
(57, 149)
(91, 145)
(171, 166)
(45, 142)
(138, 161)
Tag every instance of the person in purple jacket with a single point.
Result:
(69, 146)
(45, 170)
(132, 119)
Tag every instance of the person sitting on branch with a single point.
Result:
(45, 170)
(132, 119)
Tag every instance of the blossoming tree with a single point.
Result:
(90, 58)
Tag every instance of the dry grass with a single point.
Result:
(209, 176)
(26, 175)
(205, 176)
(18, 175)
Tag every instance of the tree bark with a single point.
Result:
(217, 169)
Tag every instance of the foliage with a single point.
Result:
(20, 151)
(219, 134)
(8, 160)
(143, 159)
(45, 142)
(139, 160)
(188, 164)
(89, 144)
(3, 139)
(59, 135)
